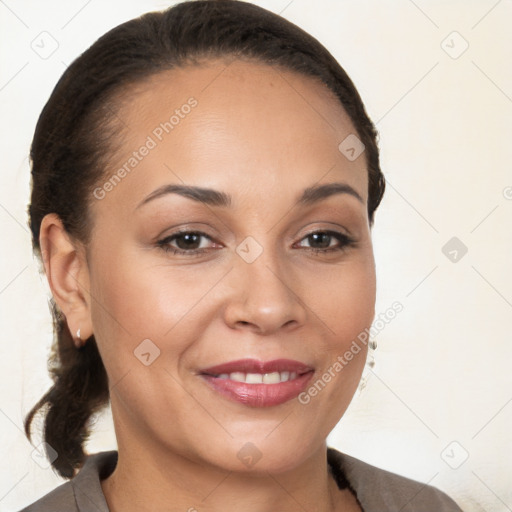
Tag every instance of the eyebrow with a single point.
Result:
(213, 197)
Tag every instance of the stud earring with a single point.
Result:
(79, 342)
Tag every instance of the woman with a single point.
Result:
(205, 181)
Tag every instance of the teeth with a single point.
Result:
(238, 376)
(271, 378)
(254, 378)
(258, 378)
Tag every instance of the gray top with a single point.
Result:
(376, 490)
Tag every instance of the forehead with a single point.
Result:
(232, 123)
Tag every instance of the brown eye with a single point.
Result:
(185, 242)
(188, 241)
(322, 241)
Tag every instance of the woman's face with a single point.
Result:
(250, 286)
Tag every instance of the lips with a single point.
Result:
(257, 383)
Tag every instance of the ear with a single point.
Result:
(68, 276)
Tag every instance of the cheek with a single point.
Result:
(347, 309)
(355, 306)
(135, 300)
(346, 301)
(129, 304)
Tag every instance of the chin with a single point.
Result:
(261, 455)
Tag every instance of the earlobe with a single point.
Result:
(67, 273)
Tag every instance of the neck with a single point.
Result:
(147, 478)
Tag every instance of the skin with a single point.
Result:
(262, 136)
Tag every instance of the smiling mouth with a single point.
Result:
(259, 384)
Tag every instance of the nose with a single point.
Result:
(265, 296)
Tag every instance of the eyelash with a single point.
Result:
(344, 240)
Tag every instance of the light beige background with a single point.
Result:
(441, 389)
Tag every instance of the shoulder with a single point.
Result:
(61, 498)
(82, 491)
(379, 490)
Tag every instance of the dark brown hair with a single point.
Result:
(76, 132)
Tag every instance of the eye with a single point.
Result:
(193, 243)
(322, 241)
(186, 242)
